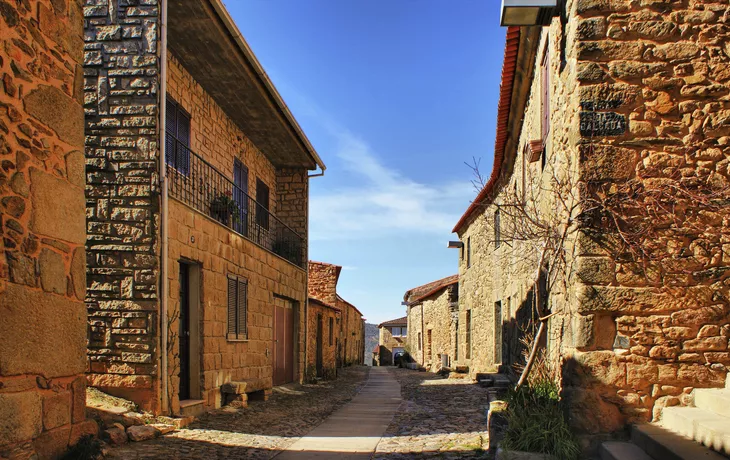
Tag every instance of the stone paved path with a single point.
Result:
(352, 432)
(259, 431)
(438, 418)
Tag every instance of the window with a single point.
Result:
(262, 209)
(545, 70)
(468, 252)
(468, 335)
(332, 331)
(497, 229)
(456, 342)
(177, 137)
(237, 308)
(429, 342)
(398, 331)
(404, 331)
(420, 339)
(498, 332)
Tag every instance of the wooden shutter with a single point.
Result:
(183, 137)
(497, 229)
(232, 307)
(242, 304)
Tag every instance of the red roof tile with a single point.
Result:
(429, 289)
(395, 322)
(509, 67)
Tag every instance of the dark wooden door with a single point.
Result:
(283, 342)
(184, 333)
(240, 191)
(320, 357)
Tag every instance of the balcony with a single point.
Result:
(200, 185)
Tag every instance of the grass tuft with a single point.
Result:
(536, 422)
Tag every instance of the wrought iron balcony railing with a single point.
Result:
(199, 184)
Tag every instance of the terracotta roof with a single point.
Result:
(395, 322)
(349, 304)
(429, 289)
(509, 67)
(323, 304)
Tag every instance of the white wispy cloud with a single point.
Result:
(383, 200)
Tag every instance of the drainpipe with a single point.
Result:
(164, 284)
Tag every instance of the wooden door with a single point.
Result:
(283, 342)
(240, 191)
(320, 352)
(184, 333)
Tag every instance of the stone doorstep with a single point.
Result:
(663, 444)
(615, 450)
(235, 388)
(192, 407)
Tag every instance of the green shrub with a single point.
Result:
(536, 422)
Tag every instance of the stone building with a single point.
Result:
(604, 119)
(392, 340)
(432, 322)
(335, 329)
(42, 261)
(197, 200)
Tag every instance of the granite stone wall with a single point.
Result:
(654, 327)
(121, 103)
(329, 350)
(638, 94)
(42, 233)
(434, 314)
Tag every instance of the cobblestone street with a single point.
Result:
(259, 431)
(438, 418)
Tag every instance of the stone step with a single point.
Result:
(663, 444)
(715, 400)
(614, 450)
(192, 407)
(703, 426)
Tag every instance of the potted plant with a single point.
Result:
(224, 208)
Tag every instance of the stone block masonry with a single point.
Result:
(42, 234)
(121, 100)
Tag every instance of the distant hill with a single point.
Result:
(371, 340)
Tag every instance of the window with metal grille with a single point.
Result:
(237, 308)
(497, 229)
(332, 331)
(262, 209)
(177, 137)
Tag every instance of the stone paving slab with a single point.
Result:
(354, 431)
(259, 431)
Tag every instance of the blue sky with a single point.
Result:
(395, 96)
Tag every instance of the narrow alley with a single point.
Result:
(380, 412)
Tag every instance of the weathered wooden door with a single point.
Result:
(184, 333)
(320, 352)
(283, 342)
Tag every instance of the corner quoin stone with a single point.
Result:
(34, 327)
(59, 210)
(58, 111)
